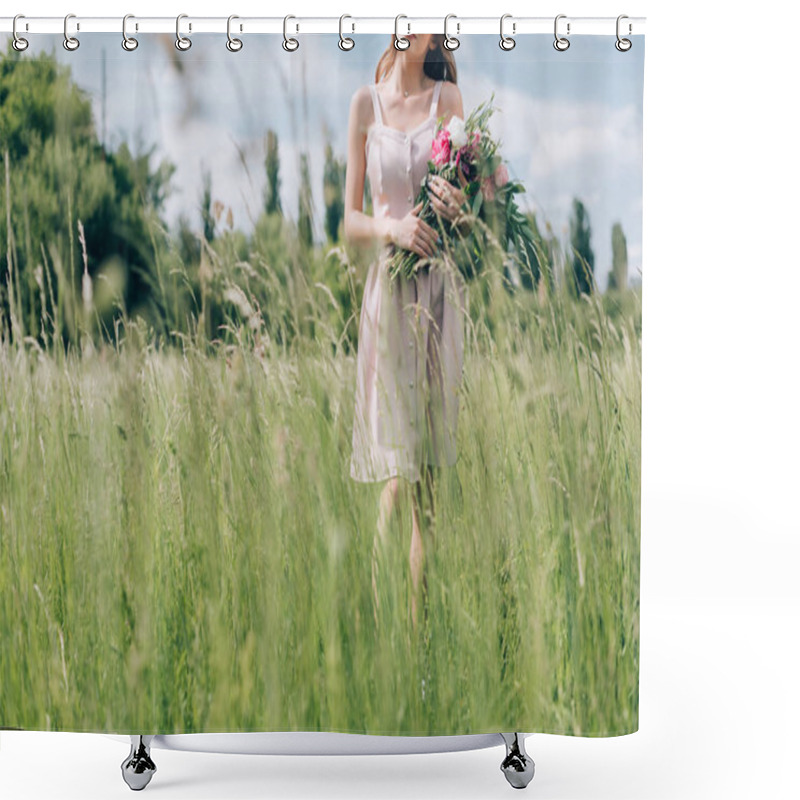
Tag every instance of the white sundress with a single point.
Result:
(410, 339)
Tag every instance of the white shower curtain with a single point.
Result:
(295, 436)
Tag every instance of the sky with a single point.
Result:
(570, 122)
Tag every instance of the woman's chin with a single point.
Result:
(417, 48)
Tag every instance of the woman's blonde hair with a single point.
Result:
(440, 64)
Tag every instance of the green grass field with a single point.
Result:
(182, 548)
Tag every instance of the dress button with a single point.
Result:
(408, 168)
(410, 199)
(411, 384)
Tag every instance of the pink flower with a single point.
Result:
(441, 148)
(487, 187)
(501, 176)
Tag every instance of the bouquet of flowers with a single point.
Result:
(464, 154)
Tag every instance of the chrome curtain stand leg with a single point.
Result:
(138, 768)
(517, 766)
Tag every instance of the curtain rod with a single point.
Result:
(513, 26)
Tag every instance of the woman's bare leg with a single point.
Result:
(416, 555)
(422, 519)
(387, 510)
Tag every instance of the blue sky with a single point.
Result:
(570, 122)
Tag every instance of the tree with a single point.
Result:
(58, 173)
(272, 197)
(206, 211)
(582, 254)
(305, 216)
(618, 277)
(333, 193)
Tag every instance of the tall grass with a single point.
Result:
(182, 548)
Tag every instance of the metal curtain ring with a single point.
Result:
(233, 44)
(451, 42)
(345, 42)
(289, 44)
(397, 37)
(182, 42)
(70, 42)
(507, 42)
(561, 43)
(623, 45)
(19, 44)
(128, 42)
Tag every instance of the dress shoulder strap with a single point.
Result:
(376, 105)
(435, 101)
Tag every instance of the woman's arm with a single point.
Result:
(360, 228)
(450, 102)
(446, 199)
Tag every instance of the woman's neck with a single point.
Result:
(407, 77)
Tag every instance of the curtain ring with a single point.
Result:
(561, 43)
(233, 44)
(507, 42)
(289, 44)
(183, 43)
(70, 42)
(451, 42)
(19, 43)
(128, 42)
(345, 42)
(623, 45)
(397, 37)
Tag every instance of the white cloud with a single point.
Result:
(550, 136)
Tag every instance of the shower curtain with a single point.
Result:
(320, 395)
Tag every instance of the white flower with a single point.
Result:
(458, 133)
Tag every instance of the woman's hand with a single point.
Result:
(447, 200)
(412, 233)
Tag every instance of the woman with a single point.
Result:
(410, 341)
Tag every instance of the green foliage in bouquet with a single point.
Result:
(492, 225)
